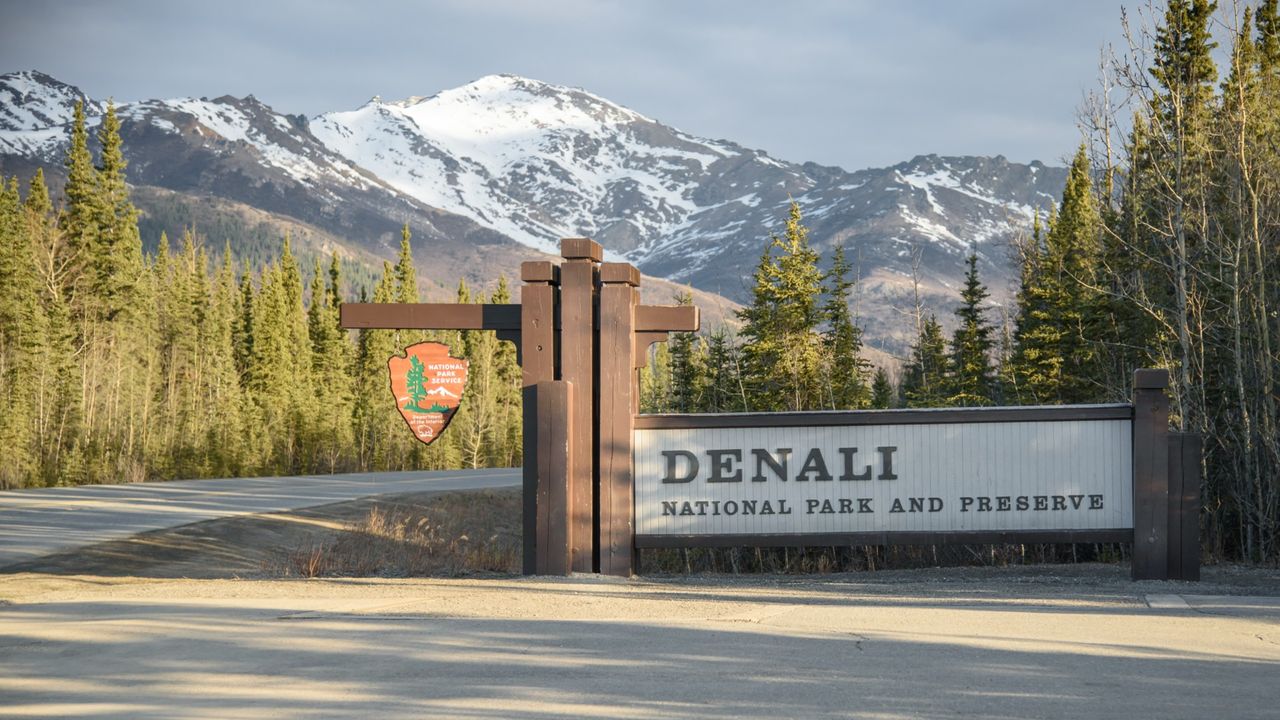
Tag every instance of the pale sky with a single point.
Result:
(855, 84)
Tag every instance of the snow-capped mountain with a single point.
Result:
(441, 392)
(537, 162)
(534, 161)
(497, 170)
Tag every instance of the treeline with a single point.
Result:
(1164, 252)
(1182, 270)
(800, 348)
(117, 365)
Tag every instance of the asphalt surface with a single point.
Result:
(597, 648)
(38, 522)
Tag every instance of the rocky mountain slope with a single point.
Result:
(496, 171)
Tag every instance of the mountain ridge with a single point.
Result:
(495, 171)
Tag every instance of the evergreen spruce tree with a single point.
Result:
(1055, 357)
(20, 339)
(655, 381)
(883, 393)
(280, 376)
(116, 258)
(406, 291)
(723, 389)
(378, 426)
(783, 349)
(924, 381)
(300, 388)
(406, 276)
(80, 216)
(847, 369)
(331, 358)
(224, 400)
(972, 382)
(335, 282)
(244, 326)
(688, 373)
(181, 297)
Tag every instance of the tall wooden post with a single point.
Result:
(538, 361)
(618, 299)
(1150, 475)
(553, 465)
(578, 366)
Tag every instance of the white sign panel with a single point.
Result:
(946, 477)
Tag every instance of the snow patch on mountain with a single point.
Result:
(533, 161)
(31, 100)
(35, 112)
(242, 121)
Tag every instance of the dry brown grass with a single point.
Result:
(449, 534)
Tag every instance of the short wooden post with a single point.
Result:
(577, 365)
(1184, 506)
(1150, 475)
(618, 299)
(554, 466)
(538, 356)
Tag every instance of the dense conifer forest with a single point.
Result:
(1164, 252)
(120, 366)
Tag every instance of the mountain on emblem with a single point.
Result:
(427, 384)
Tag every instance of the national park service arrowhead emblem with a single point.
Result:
(427, 383)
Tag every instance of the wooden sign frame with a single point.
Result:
(581, 336)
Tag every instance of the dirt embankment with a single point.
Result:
(433, 533)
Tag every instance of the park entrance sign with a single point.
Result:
(870, 477)
(427, 384)
(602, 481)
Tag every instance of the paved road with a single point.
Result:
(42, 521)
(539, 648)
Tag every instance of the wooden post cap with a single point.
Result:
(539, 271)
(667, 318)
(581, 249)
(1147, 379)
(625, 273)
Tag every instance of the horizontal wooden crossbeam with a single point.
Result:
(491, 316)
(667, 318)
(430, 316)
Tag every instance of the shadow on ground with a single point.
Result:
(156, 659)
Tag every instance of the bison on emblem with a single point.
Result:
(427, 384)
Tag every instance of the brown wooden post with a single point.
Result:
(1184, 506)
(618, 299)
(578, 366)
(553, 466)
(1150, 475)
(538, 355)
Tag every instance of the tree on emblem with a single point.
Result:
(414, 382)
